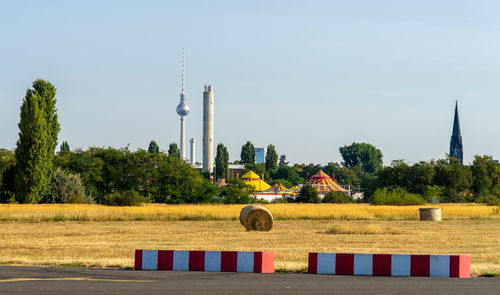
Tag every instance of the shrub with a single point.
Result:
(308, 194)
(337, 198)
(7, 190)
(282, 200)
(396, 196)
(492, 201)
(237, 192)
(66, 188)
(127, 198)
(433, 193)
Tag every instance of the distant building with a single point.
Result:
(260, 155)
(235, 171)
(456, 147)
(496, 161)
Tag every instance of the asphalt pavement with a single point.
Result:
(69, 280)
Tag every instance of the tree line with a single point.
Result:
(36, 173)
(442, 180)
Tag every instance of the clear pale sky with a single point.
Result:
(306, 76)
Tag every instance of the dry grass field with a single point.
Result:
(161, 212)
(32, 235)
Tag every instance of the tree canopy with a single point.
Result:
(365, 155)
(173, 150)
(221, 162)
(271, 158)
(64, 146)
(247, 154)
(282, 161)
(153, 147)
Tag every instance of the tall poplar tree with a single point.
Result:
(271, 159)
(221, 162)
(153, 147)
(283, 161)
(247, 154)
(38, 131)
(173, 150)
(64, 147)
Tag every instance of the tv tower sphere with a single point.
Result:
(182, 108)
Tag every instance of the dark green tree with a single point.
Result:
(485, 175)
(7, 159)
(64, 147)
(288, 173)
(395, 176)
(173, 150)
(271, 158)
(337, 198)
(283, 161)
(156, 176)
(153, 147)
(420, 177)
(306, 171)
(221, 162)
(7, 188)
(237, 192)
(454, 177)
(38, 131)
(7, 167)
(247, 153)
(365, 155)
(308, 194)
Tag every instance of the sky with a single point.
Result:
(306, 76)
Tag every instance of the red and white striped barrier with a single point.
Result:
(457, 266)
(217, 261)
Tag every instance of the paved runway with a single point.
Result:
(68, 280)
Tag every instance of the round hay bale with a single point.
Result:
(430, 214)
(256, 217)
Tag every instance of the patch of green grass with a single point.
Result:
(286, 270)
(56, 218)
(74, 264)
(342, 217)
(490, 274)
(7, 262)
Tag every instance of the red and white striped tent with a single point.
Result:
(324, 183)
(277, 188)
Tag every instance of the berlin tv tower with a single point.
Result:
(183, 110)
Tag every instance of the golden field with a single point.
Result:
(161, 212)
(93, 235)
(112, 243)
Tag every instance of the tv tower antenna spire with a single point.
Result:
(182, 70)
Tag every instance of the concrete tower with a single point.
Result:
(208, 130)
(183, 110)
(192, 158)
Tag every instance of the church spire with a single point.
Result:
(456, 148)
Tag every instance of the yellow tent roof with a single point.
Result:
(253, 179)
(250, 175)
